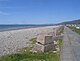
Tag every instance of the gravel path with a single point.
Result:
(66, 50)
(70, 50)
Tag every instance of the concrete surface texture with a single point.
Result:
(44, 39)
(44, 43)
(70, 50)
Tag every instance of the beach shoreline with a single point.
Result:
(14, 39)
(20, 28)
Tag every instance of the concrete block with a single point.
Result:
(44, 48)
(45, 39)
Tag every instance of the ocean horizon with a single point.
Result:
(20, 26)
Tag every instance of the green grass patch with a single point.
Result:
(29, 56)
(60, 42)
(25, 54)
(74, 29)
(33, 40)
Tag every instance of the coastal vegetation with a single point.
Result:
(74, 29)
(25, 54)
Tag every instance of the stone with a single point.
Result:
(44, 39)
(54, 51)
(44, 43)
(44, 48)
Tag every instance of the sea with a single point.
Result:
(16, 27)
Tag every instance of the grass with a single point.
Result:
(33, 40)
(74, 29)
(29, 56)
(25, 54)
(60, 42)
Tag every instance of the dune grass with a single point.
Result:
(25, 54)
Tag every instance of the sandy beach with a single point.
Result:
(14, 39)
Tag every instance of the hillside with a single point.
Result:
(71, 22)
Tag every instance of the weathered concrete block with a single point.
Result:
(52, 33)
(49, 47)
(44, 48)
(59, 30)
(44, 39)
(44, 43)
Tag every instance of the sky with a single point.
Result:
(38, 11)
